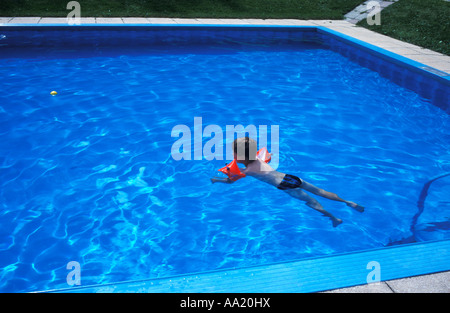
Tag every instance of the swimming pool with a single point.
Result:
(88, 175)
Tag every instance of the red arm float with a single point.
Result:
(234, 173)
(264, 155)
(232, 170)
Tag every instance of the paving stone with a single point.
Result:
(5, 19)
(25, 20)
(158, 20)
(369, 288)
(53, 20)
(135, 20)
(435, 283)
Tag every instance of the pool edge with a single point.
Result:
(335, 31)
(301, 276)
(356, 41)
(388, 55)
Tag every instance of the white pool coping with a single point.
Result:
(432, 283)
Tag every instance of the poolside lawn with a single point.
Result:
(423, 23)
(300, 9)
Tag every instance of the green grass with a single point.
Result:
(420, 22)
(299, 9)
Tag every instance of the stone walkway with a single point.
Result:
(361, 11)
(433, 283)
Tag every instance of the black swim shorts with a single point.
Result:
(290, 182)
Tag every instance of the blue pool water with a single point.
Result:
(88, 176)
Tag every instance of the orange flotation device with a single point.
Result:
(234, 173)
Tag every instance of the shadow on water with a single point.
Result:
(428, 230)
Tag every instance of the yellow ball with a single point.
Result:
(53, 93)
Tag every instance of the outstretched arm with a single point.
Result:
(221, 180)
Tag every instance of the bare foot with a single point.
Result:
(336, 221)
(355, 206)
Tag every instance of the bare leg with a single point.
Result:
(313, 203)
(329, 195)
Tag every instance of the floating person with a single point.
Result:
(256, 165)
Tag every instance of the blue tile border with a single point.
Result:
(426, 81)
(306, 275)
(383, 53)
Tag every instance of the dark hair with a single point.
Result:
(249, 148)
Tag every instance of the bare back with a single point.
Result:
(264, 172)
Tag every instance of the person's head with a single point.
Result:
(244, 149)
